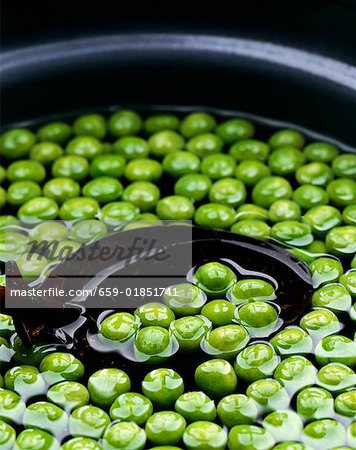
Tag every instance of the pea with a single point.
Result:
(214, 215)
(88, 421)
(259, 318)
(345, 404)
(193, 186)
(321, 151)
(77, 208)
(285, 160)
(292, 341)
(225, 341)
(71, 166)
(284, 137)
(143, 169)
(131, 407)
(345, 166)
(333, 296)
(256, 361)
(7, 436)
(156, 314)
(228, 191)
(46, 152)
(315, 403)
(142, 194)
(251, 289)
(270, 189)
(218, 166)
(189, 332)
(336, 377)
(314, 173)
(205, 144)
(204, 434)
(37, 209)
(282, 210)
(25, 380)
(131, 147)
(107, 166)
(342, 192)
(214, 278)
(90, 125)
(324, 432)
(46, 416)
(164, 142)
(269, 395)
(351, 434)
(106, 385)
(309, 196)
(219, 312)
(216, 378)
(283, 425)
(250, 171)
(233, 130)
(119, 326)
(57, 367)
(163, 387)
(13, 245)
(292, 233)
(123, 123)
(16, 143)
(349, 215)
(251, 228)
(316, 247)
(249, 211)
(117, 212)
(26, 170)
(195, 406)
(21, 192)
(336, 348)
(159, 122)
(124, 435)
(325, 270)
(82, 443)
(103, 189)
(68, 395)
(322, 219)
(61, 189)
(236, 409)
(295, 373)
(35, 439)
(165, 428)
(88, 231)
(320, 323)
(341, 241)
(153, 344)
(175, 207)
(180, 163)
(57, 132)
(197, 123)
(12, 407)
(348, 280)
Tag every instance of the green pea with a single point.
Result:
(195, 406)
(71, 166)
(156, 314)
(348, 280)
(103, 189)
(324, 433)
(292, 341)
(322, 219)
(250, 436)
(218, 166)
(228, 191)
(61, 189)
(345, 403)
(35, 439)
(189, 332)
(143, 169)
(90, 125)
(165, 428)
(349, 215)
(214, 278)
(336, 377)
(325, 270)
(16, 143)
(13, 245)
(25, 380)
(175, 207)
(219, 312)
(26, 170)
(249, 211)
(193, 186)
(7, 436)
(107, 165)
(119, 327)
(153, 344)
(316, 247)
(216, 378)
(285, 160)
(123, 123)
(295, 373)
(163, 387)
(225, 341)
(269, 395)
(233, 130)
(12, 407)
(142, 194)
(180, 163)
(345, 166)
(159, 122)
(88, 231)
(256, 361)
(205, 144)
(309, 196)
(57, 367)
(333, 296)
(79, 208)
(214, 215)
(292, 233)
(86, 146)
(315, 403)
(320, 323)
(117, 212)
(46, 152)
(236, 409)
(321, 151)
(259, 318)
(38, 209)
(251, 289)
(131, 147)
(68, 395)
(197, 123)
(46, 416)
(32, 265)
(88, 421)
(204, 435)
(314, 173)
(21, 192)
(106, 385)
(124, 435)
(342, 192)
(282, 210)
(285, 137)
(283, 425)
(57, 132)
(341, 241)
(336, 348)
(131, 407)
(252, 171)
(270, 189)
(249, 150)
(82, 443)
(251, 228)
(164, 142)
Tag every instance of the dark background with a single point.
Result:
(324, 26)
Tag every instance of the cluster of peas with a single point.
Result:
(299, 381)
